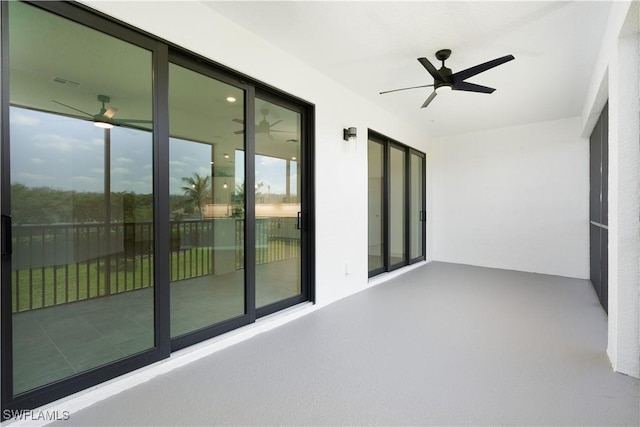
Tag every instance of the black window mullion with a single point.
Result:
(386, 207)
(162, 226)
(250, 212)
(407, 206)
(6, 324)
(423, 206)
(307, 200)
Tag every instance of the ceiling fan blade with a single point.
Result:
(471, 87)
(404, 88)
(469, 72)
(238, 132)
(131, 121)
(274, 123)
(238, 121)
(285, 131)
(431, 69)
(429, 99)
(73, 108)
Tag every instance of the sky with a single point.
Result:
(50, 150)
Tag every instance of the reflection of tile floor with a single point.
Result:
(56, 342)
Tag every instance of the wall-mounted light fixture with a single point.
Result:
(349, 134)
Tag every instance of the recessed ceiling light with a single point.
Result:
(231, 99)
(293, 158)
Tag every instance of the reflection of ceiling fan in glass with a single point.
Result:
(263, 126)
(105, 117)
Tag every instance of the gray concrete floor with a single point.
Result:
(443, 344)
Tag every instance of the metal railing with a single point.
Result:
(63, 263)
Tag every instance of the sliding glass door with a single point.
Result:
(278, 210)
(417, 210)
(81, 198)
(376, 198)
(150, 200)
(396, 205)
(206, 201)
(397, 208)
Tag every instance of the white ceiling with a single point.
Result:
(373, 46)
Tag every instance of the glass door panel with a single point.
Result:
(376, 206)
(82, 267)
(278, 217)
(397, 207)
(417, 213)
(206, 202)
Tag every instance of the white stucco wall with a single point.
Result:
(514, 198)
(616, 78)
(624, 207)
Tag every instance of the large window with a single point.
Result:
(150, 200)
(396, 204)
(81, 190)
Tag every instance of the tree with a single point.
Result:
(196, 190)
(237, 201)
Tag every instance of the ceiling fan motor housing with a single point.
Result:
(447, 80)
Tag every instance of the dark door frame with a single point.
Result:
(387, 143)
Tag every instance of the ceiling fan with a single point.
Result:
(105, 115)
(444, 79)
(263, 126)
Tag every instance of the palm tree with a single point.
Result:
(196, 190)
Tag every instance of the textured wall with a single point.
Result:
(624, 207)
(514, 198)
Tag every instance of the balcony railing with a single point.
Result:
(63, 263)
